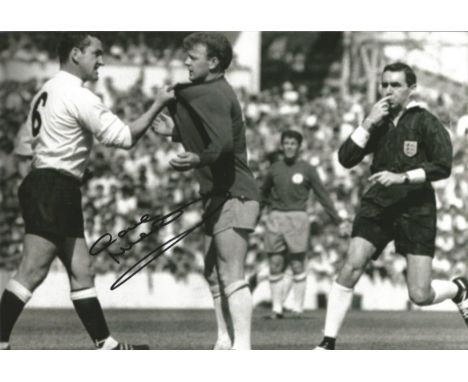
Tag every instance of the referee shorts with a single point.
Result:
(412, 228)
(51, 204)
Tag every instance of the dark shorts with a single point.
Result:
(51, 204)
(413, 228)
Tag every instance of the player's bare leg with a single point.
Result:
(38, 254)
(232, 250)
(78, 263)
(277, 265)
(297, 262)
(225, 336)
(422, 289)
(341, 294)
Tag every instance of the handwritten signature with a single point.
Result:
(157, 222)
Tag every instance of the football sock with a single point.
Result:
(287, 285)
(13, 301)
(443, 290)
(240, 307)
(276, 287)
(339, 301)
(223, 322)
(89, 310)
(299, 289)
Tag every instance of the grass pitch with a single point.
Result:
(195, 329)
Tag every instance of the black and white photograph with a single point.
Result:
(233, 190)
(217, 186)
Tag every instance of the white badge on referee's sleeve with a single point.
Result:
(410, 148)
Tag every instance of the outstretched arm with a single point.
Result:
(323, 196)
(163, 125)
(107, 127)
(139, 127)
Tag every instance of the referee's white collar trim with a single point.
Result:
(70, 77)
(414, 103)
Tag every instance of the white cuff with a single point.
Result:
(83, 294)
(19, 290)
(416, 176)
(127, 139)
(360, 136)
(300, 277)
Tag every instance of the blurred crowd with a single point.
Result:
(121, 48)
(123, 186)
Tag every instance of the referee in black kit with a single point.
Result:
(411, 149)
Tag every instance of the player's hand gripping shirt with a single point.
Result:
(287, 187)
(62, 121)
(208, 121)
(419, 145)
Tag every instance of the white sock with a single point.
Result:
(223, 340)
(4, 345)
(339, 301)
(276, 286)
(299, 289)
(240, 307)
(443, 290)
(287, 285)
(108, 344)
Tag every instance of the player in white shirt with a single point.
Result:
(59, 131)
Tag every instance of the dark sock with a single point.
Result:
(328, 343)
(253, 282)
(90, 312)
(10, 309)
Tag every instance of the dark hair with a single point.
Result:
(70, 40)
(217, 45)
(410, 76)
(291, 134)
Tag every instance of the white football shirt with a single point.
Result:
(62, 121)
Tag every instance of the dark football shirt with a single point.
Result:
(287, 187)
(209, 122)
(419, 141)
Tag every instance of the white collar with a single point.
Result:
(70, 77)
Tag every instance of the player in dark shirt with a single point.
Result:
(411, 148)
(286, 190)
(208, 121)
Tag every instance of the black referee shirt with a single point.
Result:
(419, 141)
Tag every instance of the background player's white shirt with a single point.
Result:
(62, 121)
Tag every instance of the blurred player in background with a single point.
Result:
(411, 149)
(286, 190)
(63, 119)
(209, 123)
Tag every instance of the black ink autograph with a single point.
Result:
(157, 222)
